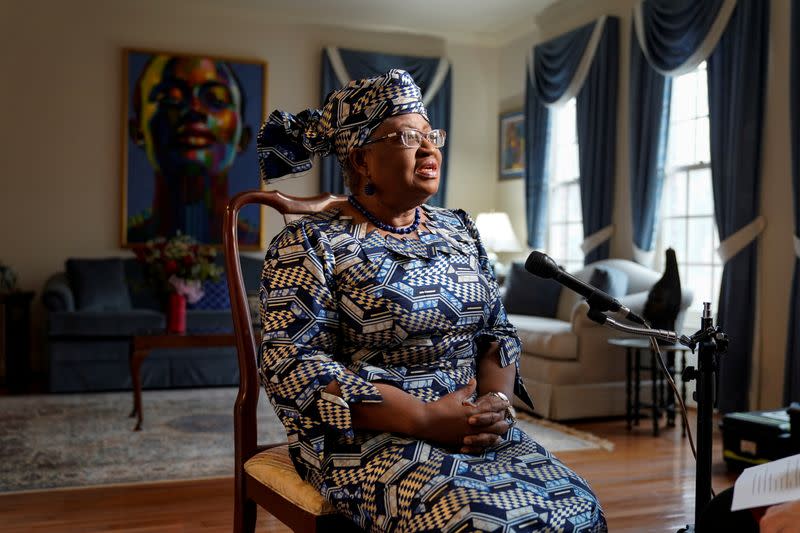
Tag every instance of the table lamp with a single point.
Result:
(497, 235)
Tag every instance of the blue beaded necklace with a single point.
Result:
(381, 225)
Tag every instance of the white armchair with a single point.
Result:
(567, 365)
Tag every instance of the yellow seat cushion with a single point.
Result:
(274, 469)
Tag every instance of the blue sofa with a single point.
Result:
(95, 305)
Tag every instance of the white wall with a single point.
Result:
(776, 258)
(61, 146)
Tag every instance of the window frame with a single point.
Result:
(554, 186)
(684, 172)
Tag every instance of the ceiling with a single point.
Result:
(488, 22)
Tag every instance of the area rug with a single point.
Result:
(77, 440)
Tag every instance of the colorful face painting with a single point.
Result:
(190, 115)
(190, 118)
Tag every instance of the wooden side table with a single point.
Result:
(663, 398)
(143, 343)
(15, 339)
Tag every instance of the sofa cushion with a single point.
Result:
(98, 284)
(104, 323)
(57, 295)
(610, 280)
(526, 294)
(142, 292)
(215, 295)
(546, 337)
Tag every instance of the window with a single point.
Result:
(564, 215)
(687, 204)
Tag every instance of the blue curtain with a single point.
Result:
(736, 92)
(555, 63)
(365, 64)
(791, 389)
(596, 109)
(673, 29)
(649, 102)
(537, 131)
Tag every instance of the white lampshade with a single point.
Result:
(496, 232)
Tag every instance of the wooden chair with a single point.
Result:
(265, 474)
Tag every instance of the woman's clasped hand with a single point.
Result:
(459, 422)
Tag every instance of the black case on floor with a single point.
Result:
(757, 437)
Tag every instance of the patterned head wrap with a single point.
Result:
(287, 142)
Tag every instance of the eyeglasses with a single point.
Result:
(413, 138)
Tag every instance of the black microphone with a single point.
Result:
(542, 265)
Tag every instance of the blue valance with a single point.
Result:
(671, 31)
(432, 74)
(556, 61)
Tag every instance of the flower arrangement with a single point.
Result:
(180, 265)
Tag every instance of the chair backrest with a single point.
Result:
(245, 428)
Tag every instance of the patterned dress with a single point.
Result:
(413, 314)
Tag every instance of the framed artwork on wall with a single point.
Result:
(512, 145)
(188, 145)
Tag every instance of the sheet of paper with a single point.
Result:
(774, 482)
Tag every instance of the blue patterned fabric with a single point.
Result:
(286, 142)
(215, 296)
(340, 303)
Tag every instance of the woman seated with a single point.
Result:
(386, 351)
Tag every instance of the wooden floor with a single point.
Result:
(645, 484)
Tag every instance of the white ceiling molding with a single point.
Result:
(476, 22)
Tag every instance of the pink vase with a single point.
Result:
(176, 313)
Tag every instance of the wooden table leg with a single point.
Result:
(683, 391)
(637, 368)
(656, 399)
(628, 377)
(670, 394)
(136, 359)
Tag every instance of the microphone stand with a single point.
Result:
(712, 344)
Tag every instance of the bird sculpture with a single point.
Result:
(664, 299)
